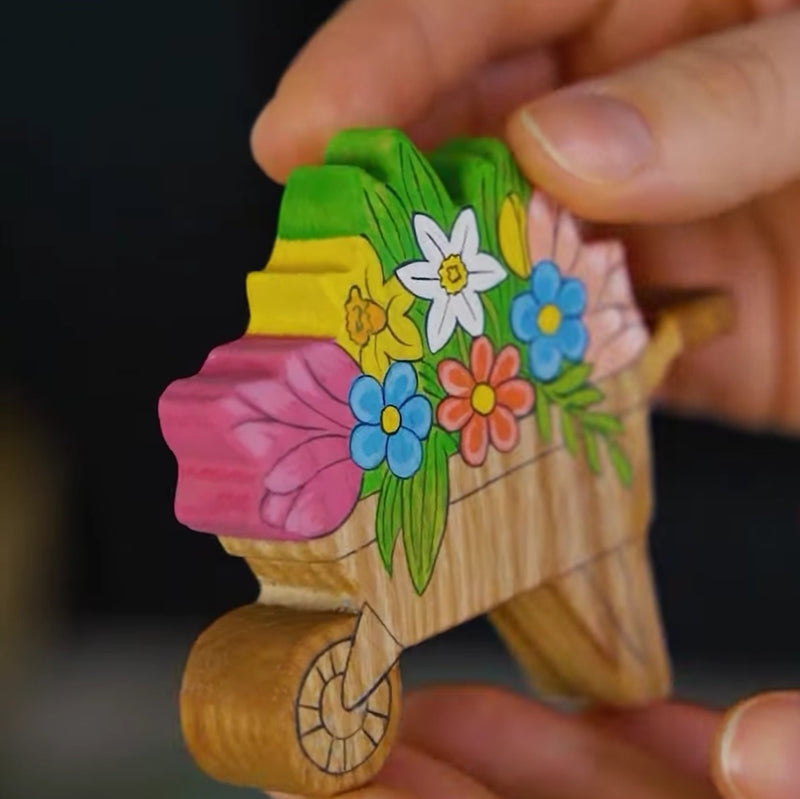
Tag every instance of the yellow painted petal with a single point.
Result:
(401, 340)
(511, 230)
(374, 359)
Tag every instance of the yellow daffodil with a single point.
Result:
(512, 234)
(334, 288)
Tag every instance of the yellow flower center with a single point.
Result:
(483, 399)
(453, 274)
(363, 317)
(549, 319)
(390, 420)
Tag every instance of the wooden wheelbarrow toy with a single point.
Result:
(439, 409)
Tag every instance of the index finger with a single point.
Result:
(384, 63)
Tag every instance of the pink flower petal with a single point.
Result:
(593, 267)
(602, 326)
(567, 240)
(300, 465)
(617, 290)
(325, 501)
(541, 227)
(321, 375)
(621, 351)
(275, 508)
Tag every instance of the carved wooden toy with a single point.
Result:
(439, 410)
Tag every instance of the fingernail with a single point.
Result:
(759, 750)
(597, 138)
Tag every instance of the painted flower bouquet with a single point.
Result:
(421, 309)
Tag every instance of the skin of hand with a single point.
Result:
(482, 743)
(676, 123)
(673, 124)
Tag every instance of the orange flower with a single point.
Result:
(485, 400)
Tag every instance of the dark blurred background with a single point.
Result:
(131, 213)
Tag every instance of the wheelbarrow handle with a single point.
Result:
(680, 320)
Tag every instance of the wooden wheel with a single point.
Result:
(261, 703)
(335, 739)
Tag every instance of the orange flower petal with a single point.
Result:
(505, 366)
(453, 413)
(516, 395)
(475, 440)
(481, 357)
(455, 378)
(503, 429)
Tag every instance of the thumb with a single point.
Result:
(692, 132)
(758, 751)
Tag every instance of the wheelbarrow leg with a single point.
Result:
(594, 632)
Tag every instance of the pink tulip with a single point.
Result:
(261, 437)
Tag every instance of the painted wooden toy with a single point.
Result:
(439, 410)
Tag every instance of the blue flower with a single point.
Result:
(393, 418)
(548, 318)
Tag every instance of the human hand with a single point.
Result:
(481, 743)
(690, 152)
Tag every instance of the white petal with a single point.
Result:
(469, 311)
(421, 278)
(441, 322)
(485, 272)
(464, 239)
(432, 240)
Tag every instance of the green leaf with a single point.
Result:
(592, 454)
(388, 518)
(424, 498)
(543, 414)
(372, 480)
(568, 429)
(583, 397)
(621, 464)
(602, 422)
(429, 380)
(571, 378)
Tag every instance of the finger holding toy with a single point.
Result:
(477, 743)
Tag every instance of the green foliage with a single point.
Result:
(424, 498)
(388, 517)
(372, 480)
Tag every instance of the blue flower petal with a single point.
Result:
(366, 399)
(416, 415)
(367, 445)
(571, 299)
(571, 338)
(400, 383)
(544, 358)
(545, 281)
(404, 453)
(524, 309)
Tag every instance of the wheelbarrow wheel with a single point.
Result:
(261, 703)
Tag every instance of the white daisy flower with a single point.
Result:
(452, 276)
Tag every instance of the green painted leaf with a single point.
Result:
(620, 461)
(542, 409)
(388, 517)
(592, 454)
(571, 378)
(602, 422)
(372, 480)
(429, 381)
(568, 429)
(424, 500)
(583, 397)
(390, 157)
